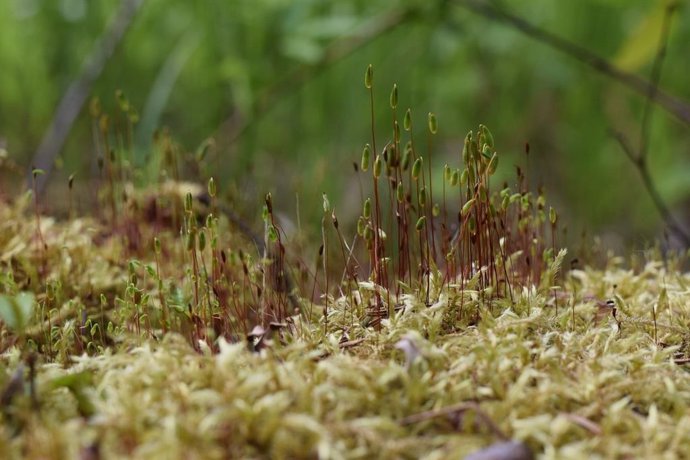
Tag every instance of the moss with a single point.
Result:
(598, 387)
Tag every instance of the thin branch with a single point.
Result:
(642, 168)
(639, 158)
(655, 79)
(454, 411)
(677, 107)
(74, 98)
(627, 148)
(350, 343)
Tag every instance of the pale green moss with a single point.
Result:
(601, 386)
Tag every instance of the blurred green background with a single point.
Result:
(278, 84)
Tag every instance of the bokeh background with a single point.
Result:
(278, 85)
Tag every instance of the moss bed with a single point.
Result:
(562, 372)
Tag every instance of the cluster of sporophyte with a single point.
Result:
(494, 242)
(173, 266)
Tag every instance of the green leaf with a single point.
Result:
(640, 47)
(17, 311)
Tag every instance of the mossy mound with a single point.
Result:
(564, 372)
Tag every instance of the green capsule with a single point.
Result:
(190, 240)
(268, 199)
(394, 96)
(326, 203)
(486, 151)
(474, 151)
(407, 121)
(369, 77)
(366, 212)
(378, 166)
(447, 173)
(436, 210)
(407, 155)
(202, 241)
(488, 137)
(211, 187)
(466, 149)
(157, 245)
(366, 156)
(552, 216)
(417, 168)
(505, 202)
(150, 271)
(433, 124)
(464, 176)
(400, 192)
(391, 156)
(421, 222)
(422, 197)
(467, 207)
(455, 178)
